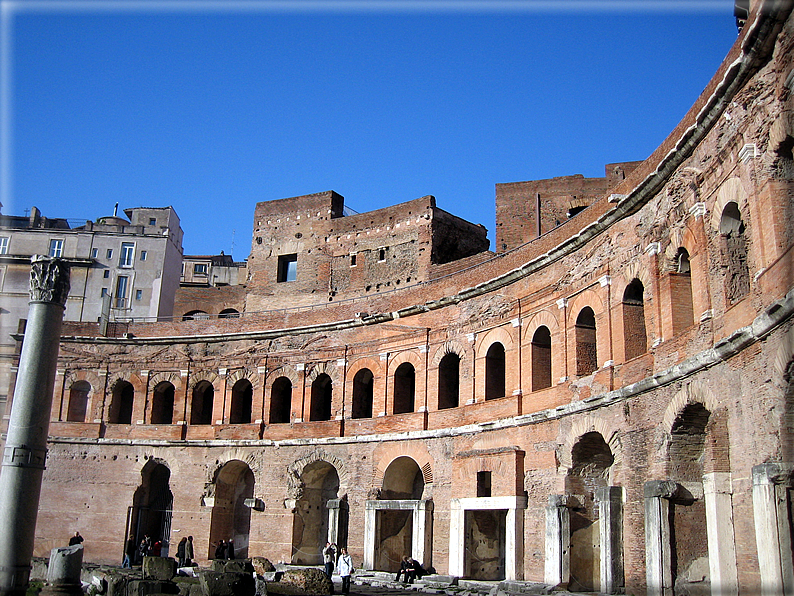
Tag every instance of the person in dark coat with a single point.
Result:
(180, 552)
(189, 551)
(230, 549)
(76, 539)
(220, 550)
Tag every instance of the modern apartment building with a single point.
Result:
(128, 267)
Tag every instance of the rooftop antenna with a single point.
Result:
(232, 252)
(116, 210)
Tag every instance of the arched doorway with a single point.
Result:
(231, 517)
(152, 504)
(591, 460)
(402, 481)
(320, 482)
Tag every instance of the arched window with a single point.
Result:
(242, 402)
(121, 401)
(634, 339)
(363, 384)
(449, 381)
(681, 292)
(229, 313)
(541, 358)
(197, 315)
(202, 403)
(322, 392)
(78, 401)
(281, 401)
(734, 254)
(404, 388)
(586, 355)
(495, 371)
(163, 404)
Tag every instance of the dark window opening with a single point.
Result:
(202, 403)
(495, 371)
(242, 402)
(121, 403)
(404, 388)
(449, 381)
(484, 484)
(281, 401)
(586, 353)
(634, 338)
(322, 392)
(363, 384)
(163, 404)
(541, 358)
(287, 268)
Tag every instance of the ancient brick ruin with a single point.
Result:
(605, 401)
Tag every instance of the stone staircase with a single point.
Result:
(453, 586)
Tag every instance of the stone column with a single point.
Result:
(422, 538)
(63, 572)
(337, 521)
(26, 444)
(558, 541)
(610, 507)
(717, 493)
(658, 554)
(771, 482)
(514, 544)
(370, 533)
(457, 538)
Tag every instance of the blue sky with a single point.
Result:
(213, 106)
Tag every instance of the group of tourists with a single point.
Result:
(344, 564)
(225, 550)
(134, 551)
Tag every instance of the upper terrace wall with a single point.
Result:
(337, 257)
(519, 205)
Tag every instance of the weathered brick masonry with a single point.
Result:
(606, 405)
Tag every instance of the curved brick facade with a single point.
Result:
(606, 405)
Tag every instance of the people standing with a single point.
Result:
(180, 551)
(76, 539)
(230, 549)
(345, 569)
(329, 556)
(220, 550)
(130, 548)
(189, 551)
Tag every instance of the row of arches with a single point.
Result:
(548, 341)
